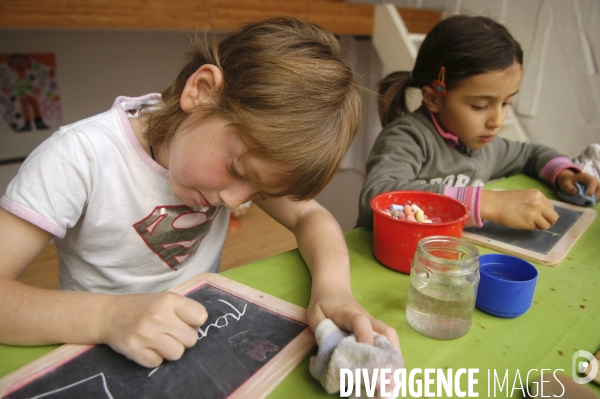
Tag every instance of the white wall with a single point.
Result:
(93, 68)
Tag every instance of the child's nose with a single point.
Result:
(234, 196)
(496, 119)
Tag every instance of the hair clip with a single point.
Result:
(439, 84)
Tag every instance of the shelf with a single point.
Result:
(336, 16)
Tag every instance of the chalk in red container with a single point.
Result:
(409, 212)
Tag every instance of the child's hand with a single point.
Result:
(348, 315)
(567, 178)
(525, 209)
(148, 328)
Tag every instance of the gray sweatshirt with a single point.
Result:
(410, 154)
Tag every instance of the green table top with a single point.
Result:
(563, 319)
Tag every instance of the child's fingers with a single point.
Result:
(546, 219)
(550, 215)
(593, 189)
(362, 329)
(389, 332)
(592, 185)
(147, 357)
(191, 312)
(542, 224)
(184, 333)
(168, 347)
(570, 188)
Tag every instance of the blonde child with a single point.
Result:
(468, 70)
(137, 199)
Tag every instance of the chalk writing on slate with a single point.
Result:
(540, 241)
(238, 338)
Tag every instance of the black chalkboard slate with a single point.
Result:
(541, 241)
(544, 246)
(237, 340)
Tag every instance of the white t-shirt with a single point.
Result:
(118, 227)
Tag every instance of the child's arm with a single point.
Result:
(146, 328)
(323, 248)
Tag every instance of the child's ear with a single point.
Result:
(201, 87)
(432, 101)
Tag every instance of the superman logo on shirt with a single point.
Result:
(174, 233)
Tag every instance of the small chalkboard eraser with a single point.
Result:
(578, 199)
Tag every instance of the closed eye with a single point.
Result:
(478, 107)
(234, 172)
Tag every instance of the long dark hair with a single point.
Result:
(464, 45)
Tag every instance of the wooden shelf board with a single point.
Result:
(336, 16)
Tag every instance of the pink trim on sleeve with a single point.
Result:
(32, 218)
(550, 171)
(470, 197)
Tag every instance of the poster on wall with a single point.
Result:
(29, 103)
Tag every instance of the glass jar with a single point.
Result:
(443, 285)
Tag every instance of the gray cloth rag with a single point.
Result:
(338, 349)
(589, 160)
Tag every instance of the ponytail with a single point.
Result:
(392, 96)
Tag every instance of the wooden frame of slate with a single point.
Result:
(252, 341)
(547, 247)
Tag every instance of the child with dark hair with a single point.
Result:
(138, 198)
(468, 69)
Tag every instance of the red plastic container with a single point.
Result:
(395, 241)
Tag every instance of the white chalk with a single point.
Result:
(415, 208)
